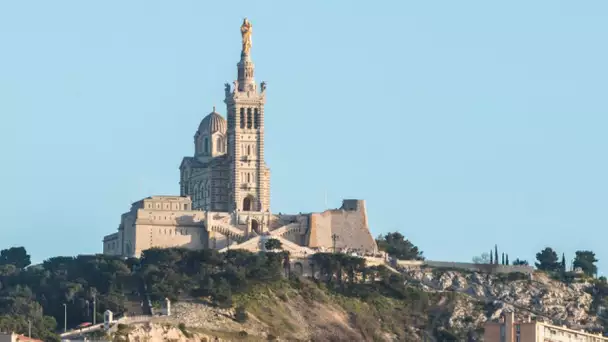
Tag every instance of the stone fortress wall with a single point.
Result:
(348, 225)
(157, 221)
(483, 268)
(168, 221)
(303, 265)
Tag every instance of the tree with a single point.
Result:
(399, 247)
(272, 244)
(586, 261)
(507, 259)
(491, 257)
(563, 264)
(496, 254)
(484, 258)
(15, 256)
(520, 262)
(503, 258)
(547, 260)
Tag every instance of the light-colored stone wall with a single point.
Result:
(112, 244)
(489, 268)
(158, 221)
(349, 226)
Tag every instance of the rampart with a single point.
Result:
(484, 268)
(346, 227)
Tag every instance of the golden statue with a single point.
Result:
(246, 30)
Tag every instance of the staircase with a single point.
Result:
(233, 233)
(285, 229)
(137, 302)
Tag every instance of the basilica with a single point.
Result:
(224, 199)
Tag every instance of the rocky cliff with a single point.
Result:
(442, 305)
(536, 296)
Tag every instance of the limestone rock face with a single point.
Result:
(487, 296)
(159, 332)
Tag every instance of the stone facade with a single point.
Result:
(224, 197)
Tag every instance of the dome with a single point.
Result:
(212, 123)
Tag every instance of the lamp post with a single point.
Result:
(94, 309)
(334, 237)
(65, 317)
(29, 328)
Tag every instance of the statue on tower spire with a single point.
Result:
(246, 30)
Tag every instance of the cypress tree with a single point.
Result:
(491, 257)
(507, 259)
(563, 265)
(496, 254)
(503, 259)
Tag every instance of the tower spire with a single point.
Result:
(246, 81)
(250, 177)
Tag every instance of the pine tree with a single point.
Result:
(496, 254)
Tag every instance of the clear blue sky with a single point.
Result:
(462, 123)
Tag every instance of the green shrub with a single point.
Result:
(514, 276)
(184, 331)
(241, 314)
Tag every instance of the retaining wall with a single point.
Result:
(486, 268)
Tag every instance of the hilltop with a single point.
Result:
(239, 295)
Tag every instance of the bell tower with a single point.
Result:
(249, 175)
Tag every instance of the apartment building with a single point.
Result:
(507, 329)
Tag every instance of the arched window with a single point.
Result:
(247, 205)
(249, 121)
(248, 150)
(218, 143)
(206, 145)
(242, 117)
(256, 119)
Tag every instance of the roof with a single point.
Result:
(212, 123)
(23, 338)
(196, 164)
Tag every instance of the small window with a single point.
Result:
(219, 144)
(249, 121)
(256, 119)
(242, 118)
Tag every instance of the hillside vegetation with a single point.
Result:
(253, 296)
